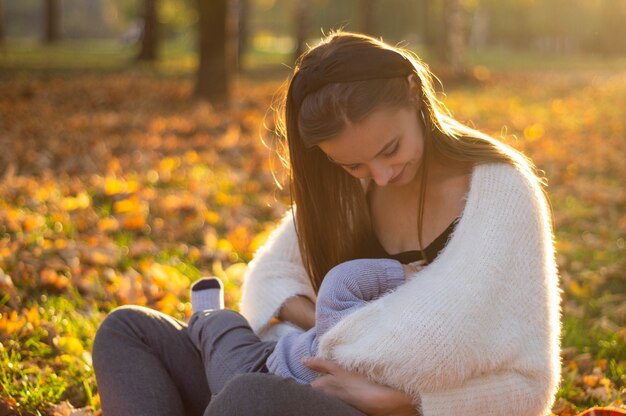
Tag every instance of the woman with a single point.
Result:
(378, 167)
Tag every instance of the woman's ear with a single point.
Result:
(415, 90)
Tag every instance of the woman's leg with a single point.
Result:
(145, 364)
(228, 346)
(268, 395)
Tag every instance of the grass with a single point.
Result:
(116, 187)
(178, 57)
(504, 59)
(48, 357)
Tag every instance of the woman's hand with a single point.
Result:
(299, 310)
(356, 390)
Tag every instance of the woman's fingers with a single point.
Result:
(321, 365)
(323, 383)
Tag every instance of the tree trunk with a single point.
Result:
(52, 21)
(479, 32)
(243, 7)
(612, 20)
(213, 79)
(301, 17)
(367, 14)
(1, 22)
(422, 21)
(433, 30)
(456, 49)
(149, 36)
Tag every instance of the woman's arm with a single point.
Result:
(481, 320)
(276, 279)
(299, 310)
(358, 391)
(493, 394)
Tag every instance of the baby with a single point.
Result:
(228, 345)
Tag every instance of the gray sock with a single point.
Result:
(207, 293)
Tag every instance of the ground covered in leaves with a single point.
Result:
(118, 188)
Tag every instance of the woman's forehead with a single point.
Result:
(364, 140)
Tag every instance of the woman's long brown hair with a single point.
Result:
(331, 212)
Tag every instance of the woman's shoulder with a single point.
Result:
(505, 193)
(504, 179)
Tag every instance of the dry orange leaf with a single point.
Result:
(603, 411)
(51, 279)
(80, 201)
(134, 222)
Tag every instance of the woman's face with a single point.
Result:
(387, 146)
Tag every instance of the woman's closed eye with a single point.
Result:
(387, 154)
(393, 150)
(390, 153)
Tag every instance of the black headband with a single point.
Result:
(358, 64)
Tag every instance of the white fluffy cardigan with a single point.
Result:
(474, 333)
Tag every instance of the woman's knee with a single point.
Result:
(256, 382)
(268, 395)
(253, 393)
(215, 324)
(123, 316)
(226, 317)
(119, 321)
(217, 318)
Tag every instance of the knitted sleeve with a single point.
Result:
(477, 329)
(275, 274)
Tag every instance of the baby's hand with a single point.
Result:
(414, 267)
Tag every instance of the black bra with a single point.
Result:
(405, 257)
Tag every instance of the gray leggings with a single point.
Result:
(146, 364)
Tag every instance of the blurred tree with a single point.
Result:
(479, 27)
(149, 32)
(565, 26)
(367, 14)
(88, 19)
(456, 48)
(330, 15)
(1, 22)
(433, 29)
(611, 35)
(177, 19)
(243, 8)
(52, 21)
(301, 19)
(213, 78)
(510, 23)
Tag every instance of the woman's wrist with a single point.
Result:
(299, 310)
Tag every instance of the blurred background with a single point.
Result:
(255, 34)
(137, 154)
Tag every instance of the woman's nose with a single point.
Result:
(381, 174)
